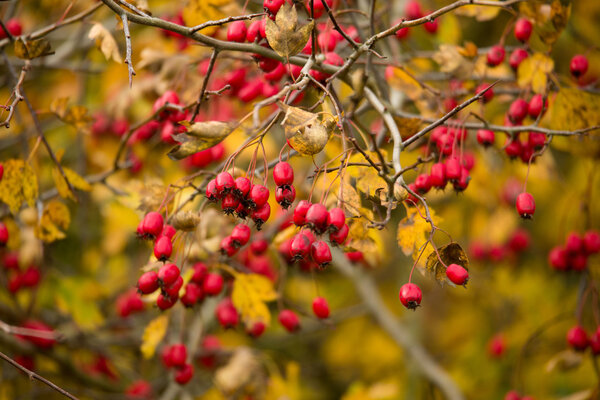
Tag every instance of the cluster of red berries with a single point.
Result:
(175, 356)
(518, 242)
(104, 125)
(18, 279)
(241, 196)
(152, 227)
(522, 32)
(412, 10)
(283, 175)
(304, 246)
(579, 340)
(574, 253)
(514, 395)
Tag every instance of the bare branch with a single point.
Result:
(128, 48)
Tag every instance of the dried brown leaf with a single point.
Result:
(450, 254)
(284, 36)
(31, 49)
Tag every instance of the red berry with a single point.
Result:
(251, 90)
(274, 76)
(519, 240)
(152, 224)
(13, 26)
(318, 6)
(261, 214)
(523, 29)
(595, 342)
(525, 205)
(578, 262)
(577, 338)
(240, 235)
(285, 196)
(31, 277)
(259, 246)
(453, 168)
(212, 194)
(402, 33)
(489, 93)
(513, 147)
(512, 395)
(45, 338)
(497, 346)
(3, 234)
(289, 320)
(518, 110)
(1, 171)
(254, 30)
(300, 246)
(213, 284)
(200, 272)
(591, 242)
(536, 105)
(340, 236)
(283, 174)
(423, 183)
(148, 282)
(242, 187)
(516, 57)
(259, 195)
(273, 5)
(229, 203)
(558, 258)
(177, 355)
(336, 219)
(485, 137)
(226, 313)
(320, 307)
(316, 217)
(168, 274)
(495, 55)
(536, 140)
(224, 182)
(300, 211)
(579, 65)
(331, 58)
(355, 256)
(327, 40)
(184, 374)
(168, 231)
(574, 243)
(163, 248)
(438, 175)
(193, 294)
(321, 253)
(172, 291)
(457, 274)
(165, 302)
(140, 390)
(431, 26)
(236, 32)
(412, 9)
(257, 329)
(236, 79)
(410, 296)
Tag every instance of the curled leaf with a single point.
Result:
(185, 221)
(30, 49)
(450, 254)
(105, 42)
(200, 136)
(304, 131)
(283, 35)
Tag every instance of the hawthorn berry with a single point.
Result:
(289, 320)
(31, 277)
(168, 274)
(140, 389)
(489, 93)
(410, 296)
(578, 262)
(331, 58)
(250, 91)
(42, 341)
(336, 218)
(200, 272)
(274, 76)
(457, 274)
(485, 137)
(184, 374)
(261, 214)
(168, 231)
(496, 55)
(299, 215)
(13, 26)
(519, 241)
(536, 140)
(152, 224)
(229, 203)
(256, 329)
(148, 282)
(536, 105)
(438, 175)
(259, 195)
(453, 168)
(236, 32)
(320, 253)
(285, 196)
(577, 338)
(496, 346)
(591, 242)
(316, 217)
(165, 302)
(523, 29)
(255, 29)
(513, 147)
(173, 289)
(579, 65)
(413, 10)
(3, 234)
(431, 26)
(525, 205)
(283, 174)
(512, 395)
(242, 187)
(300, 247)
(402, 33)
(320, 308)
(518, 110)
(574, 243)
(226, 314)
(163, 248)
(212, 194)
(177, 355)
(192, 295)
(212, 284)
(423, 184)
(516, 57)
(273, 5)
(340, 236)
(240, 235)
(557, 258)
(224, 182)
(318, 6)
(595, 342)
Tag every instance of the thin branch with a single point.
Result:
(211, 65)
(422, 360)
(197, 28)
(128, 48)
(33, 375)
(18, 96)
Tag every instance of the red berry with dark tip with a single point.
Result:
(320, 308)
(13, 26)
(200, 272)
(259, 246)
(152, 224)
(423, 183)
(523, 29)
(163, 248)
(438, 175)
(485, 137)
(168, 274)
(591, 242)
(518, 110)
(168, 231)
(402, 33)
(283, 174)
(536, 140)
(452, 168)
(336, 218)
(516, 57)
(300, 246)
(577, 338)
(213, 284)
(261, 214)
(316, 217)
(257, 329)
(229, 203)
(513, 147)
(300, 211)
(193, 294)
(457, 274)
(273, 5)
(536, 105)
(254, 30)
(212, 194)
(289, 320)
(224, 182)
(579, 65)
(285, 196)
(236, 32)
(3, 234)
(340, 236)
(165, 302)
(558, 258)
(240, 235)
(495, 56)
(148, 282)
(259, 195)
(184, 374)
(173, 290)
(242, 187)
(410, 296)
(525, 205)
(488, 94)
(320, 253)
(177, 355)
(573, 243)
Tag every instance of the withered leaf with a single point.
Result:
(450, 254)
(185, 221)
(304, 131)
(31, 49)
(200, 136)
(283, 35)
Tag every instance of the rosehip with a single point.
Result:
(410, 296)
(289, 320)
(457, 274)
(525, 205)
(320, 307)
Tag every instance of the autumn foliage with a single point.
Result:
(218, 199)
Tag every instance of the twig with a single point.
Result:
(211, 65)
(18, 96)
(133, 8)
(369, 294)
(128, 48)
(33, 375)
(197, 28)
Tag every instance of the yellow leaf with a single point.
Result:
(451, 60)
(450, 29)
(304, 131)
(200, 136)
(413, 231)
(198, 11)
(78, 297)
(153, 334)
(249, 294)
(480, 13)
(72, 115)
(450, 254)
(550, 19)
(54, 221)
(105, 42)
(283, 35)
(534, 70)
(19, 184)
(31, 49)
(365, 239)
